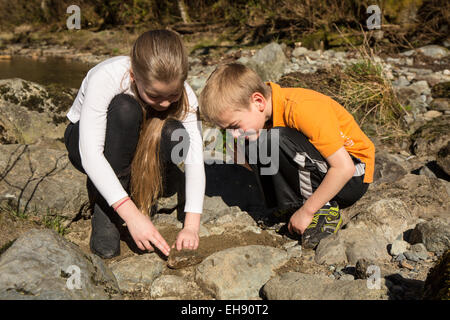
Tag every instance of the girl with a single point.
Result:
(120, 135)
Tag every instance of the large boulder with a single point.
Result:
(350, 245)
(41, 182)
(431, 137)
(435, 234)
(269, 62)
(44, 265)
(239, 273)
(300, 286)
(393, 207)
(31, 113)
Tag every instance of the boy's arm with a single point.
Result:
(339, 173)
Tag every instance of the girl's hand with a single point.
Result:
(141, 228)
(187, 239)
(145, 234)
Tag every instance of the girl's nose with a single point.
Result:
(165, 103)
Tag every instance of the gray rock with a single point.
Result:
(299, 286)
(434, 51)
(420, 251)
(239, 273)
(398, 247)
(29, 115)
(43, 265)
(431, 137)
(408, 198)
(294, 252)
(41, 182)
(399, 258)
(440, 104)
(169, 286)
(411, 256)
(420, 87)
(434, 234)
(137, 271)
(299, 51)
(347, 277)
(350, 245)
(385, 218)
(388, 167)
(269, 62)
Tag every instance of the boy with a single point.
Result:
(324, 159)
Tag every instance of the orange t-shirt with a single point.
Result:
(326, 123)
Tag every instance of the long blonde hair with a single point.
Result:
(157, 55)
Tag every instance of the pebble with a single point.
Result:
(347, 277)
(411, 256)
(400, 257)
(406, 265)
(398, 247)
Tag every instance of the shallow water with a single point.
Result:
(45, 71)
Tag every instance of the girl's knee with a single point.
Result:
(125, 110)
(174, 137)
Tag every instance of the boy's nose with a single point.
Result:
(236, 133)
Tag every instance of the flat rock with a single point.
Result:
(137, 271)
(33, 178)
(43, 265)
(300, 286)
(350, 245)
(239, 273)
(169, 286)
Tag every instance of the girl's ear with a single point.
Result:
(131, 75)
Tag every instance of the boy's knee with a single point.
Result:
(174, 141)
(125, 110)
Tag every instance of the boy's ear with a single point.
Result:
(259, 99)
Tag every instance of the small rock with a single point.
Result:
(398, 247)
(420, 250)
(406, 265)
(411, 256)
(183, 258)
(361, 268)
(430, 115)
(347, 277)
(434, 51)
(299, 51)
(399, 257)
(295, 252)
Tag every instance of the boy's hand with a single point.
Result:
(299, 221)
(187, 239)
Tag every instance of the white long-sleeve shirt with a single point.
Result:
(101, 84)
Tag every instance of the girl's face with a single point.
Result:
(160, 95)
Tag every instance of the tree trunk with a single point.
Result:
(183, 11)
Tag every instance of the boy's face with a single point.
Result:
(246, 122)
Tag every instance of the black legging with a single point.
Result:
(124, 118)
(283, 189)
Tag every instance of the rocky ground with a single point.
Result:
(398, 230)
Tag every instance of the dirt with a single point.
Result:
(12, 227)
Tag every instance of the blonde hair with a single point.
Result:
(157, 55)
(229, 88)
